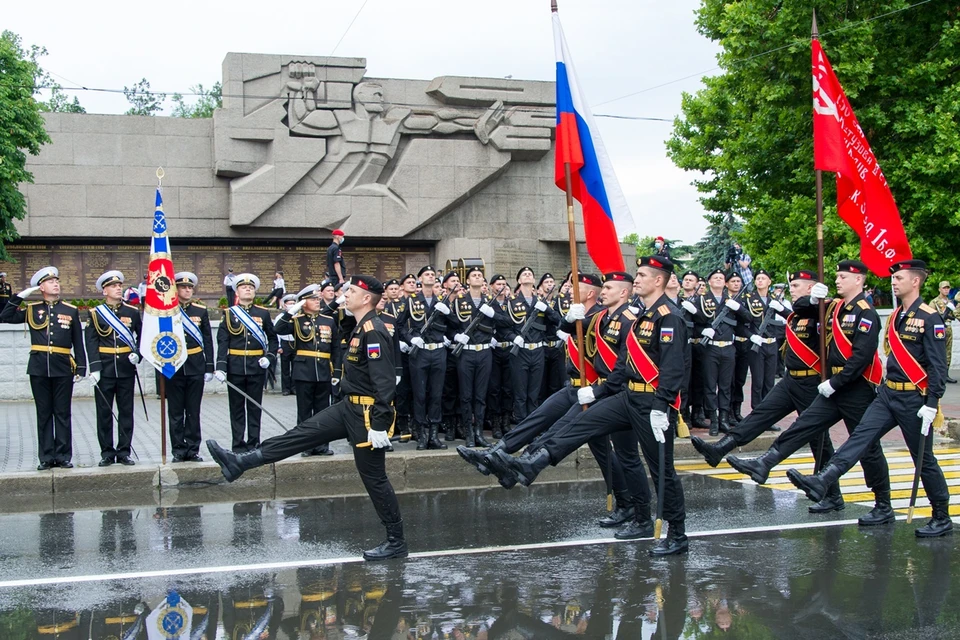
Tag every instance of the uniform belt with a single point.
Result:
(367, 403)
(552, 343)
(477, 347)
(694, 340)
(768, 340)
(905, 386)
(641, 387)
(721, 343)
(575, 382)
(194, 351)
(504, 345)
(530, 346)
(49, 349)
(432, 346)
(245, 352)
(313, 354)
(740, 339)
(835, 370)
(802, 373)
(115, 350)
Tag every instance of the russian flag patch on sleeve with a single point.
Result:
(939, 331)
(373, 350)
(666, 334)
(865, 325)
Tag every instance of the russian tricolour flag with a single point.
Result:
(593, 182)
(162, 342)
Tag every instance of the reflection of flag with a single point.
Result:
(162, 342)
(171, 620)
(592, 180)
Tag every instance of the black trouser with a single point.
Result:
(54, 428)
(847, 403)
(629, 478)
(717, 370)
(404, 390)
(626, 410)
(184, 395)
(312, 398)
(451, 388)
(500, 389)
(119, 391)
(687, 375)
(763, 372)
(741, 367)
(554, 369)
(696, 376)
(244, 417)
(540, 419)
(527, 373)
(890, 409)
(427, 370)
(473, 368)
(286, 368)
(342, 420)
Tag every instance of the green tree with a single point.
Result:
(207, 102)
(21, 131)
(144, 101)
(711, 251)
(59, 101)
(42, 79)
(749, 130)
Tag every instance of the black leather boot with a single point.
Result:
(479, 457)
(725, 423)
(714, 425)
(433, 442)
(460, 428)
(699, 419)
(496, 428)
(469, 436)
(758, 468)
(529, 465)
(882, 512)
(713, 453)
(939, 525)
(735, 416)
(833, 501)
(478, 438)
(393, 547)
(641, 526)
(622, 513)
(675, 543)
(499, 464)
(233, 465)
(815, 487)
(420, 433)
(449, 431)
(403, 424)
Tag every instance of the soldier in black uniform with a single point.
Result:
(693, 406)
(336, 267)
(553, 355)
(396, 306)
(741, 350)
(365, 418)
(855, 370)
(285, 349)
(779, 329)
(54, 331)
(763, 350)
(5, 290)
(451, 425)
(185, 389)
(527, 364)
(916, 380)
(246, 348)
(428, 363)
(113, 342)
(500, 387)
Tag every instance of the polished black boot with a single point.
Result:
(478, 436)
(939, 525)
(624, 512)
(479, 457)
(393, 547)
(448, 430)
(714, 425)
(499, 464)
(233, 465)
(675, 543)
(833, 501)
(641, 526)
(529, 465)
(496, 428)
(725, 421)
(459, 428)
(882, 512)
(420, 433)
(758, 468)
(815, 487)
(713, 453)
(699, 419)
(434, 440)
(469, 437)
(403, 424)
(735, 416)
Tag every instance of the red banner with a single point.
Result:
(864, 200)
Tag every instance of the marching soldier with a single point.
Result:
(285, 348)
(53, 370)
(944, 306)
(365, 417)
(113, 342)
(246, 348)
(741, 350)
(500, 387)
(779, 329)
(916, 369)
(184, 390)
(762, 353)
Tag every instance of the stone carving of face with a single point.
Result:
(370, 95)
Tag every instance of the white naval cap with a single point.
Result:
(290, 297)
(108, 278)
(3, 274)
(310, 291)
(43, 275)
(247, 278)
(186, 277)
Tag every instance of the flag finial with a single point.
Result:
(160, 175)
(553, 6)
(814, 32)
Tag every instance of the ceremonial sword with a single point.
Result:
(254, 403)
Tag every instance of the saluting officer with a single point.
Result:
(184, 390)
(365, 418)
(246, 348)
(314, 348)
(54, 331)
(113, 342)
(916, 381)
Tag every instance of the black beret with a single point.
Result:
(663, 263)
(803, 274)
(425, 268)
(913, 265)
(852, 266)
(618, 276)
(367, 283)
(522, 269)
(591, 279)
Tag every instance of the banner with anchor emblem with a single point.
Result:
(171, 620)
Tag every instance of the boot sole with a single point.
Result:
(753, 475)
(816, 511)
(215, 454)
(479, 467)
(390, 557)
(876, 523)
(933, 535)
(684, 549)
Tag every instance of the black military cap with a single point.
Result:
(497, 276)
(803, 274)
(591, 279)
(522, 269)
(409, 276)
(544, 277)
(619, 276)
(734, 274)
(329, 282)
(367, 283)
(716, 271)
(450, 274)
(424, 269)
(691, 272)
(390, 282)
(663, 263)
(476, 268)
(762, 272)
(853, 266)
(913, 265)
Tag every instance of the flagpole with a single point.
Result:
(163, 379)
(824, 373)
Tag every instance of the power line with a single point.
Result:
(349, 26)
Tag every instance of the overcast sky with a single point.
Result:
(620, 47)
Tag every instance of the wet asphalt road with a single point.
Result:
(771, 581)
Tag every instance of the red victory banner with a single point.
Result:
(864, 200)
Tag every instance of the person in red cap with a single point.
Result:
(661, 247)
(336, 267)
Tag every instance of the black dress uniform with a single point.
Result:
(285, 351)
(404, 398)
(528, 363)
(54, 331)
(554, 350)
(500, 387)
(741, 363)
(238, 355)
(763, 360)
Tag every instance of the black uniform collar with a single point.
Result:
(911, 311)
(616, 312)
(662, 300)
(857, 298)
(113, 307)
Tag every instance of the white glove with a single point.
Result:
(926, 415)
(494, 342)
(776, 305)
(95, 377)
(334, 381)
(732, 304)
(576, 312)
(462, 338)
(757, 340)
(220, 376)
(134, 359)
(264, 363)
(788, 305)
(404, 347)
(207, 377)
(951, 306)
(398, 379)
(659, 424)
(78, 379)
(295, 309)
(689, 306)
(563, 335)
(518, 341)
(709, 333)
(442, 308)
(540, 306)
(27, 292)
(446, 341)
(379, 439)
(486, 310)
(417, 342)
(341, 300)
(818, 293)
(585, 395)
(826, 389)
